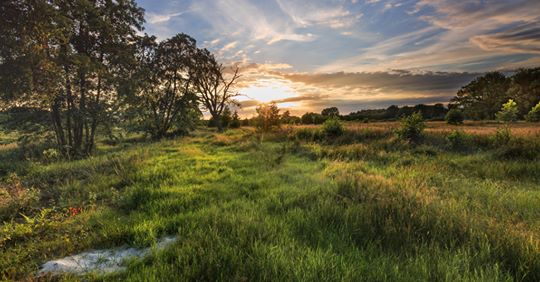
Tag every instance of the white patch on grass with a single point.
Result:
(101, 261)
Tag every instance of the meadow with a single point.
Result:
(292, 205)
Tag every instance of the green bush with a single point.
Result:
(502, 137)
(333, 127)
(534, 114)
(455, 117)
(411, 128)
(457, 140)
(508, 112)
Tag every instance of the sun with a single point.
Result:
(269, 90)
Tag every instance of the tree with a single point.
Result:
(534, 114)
(267, 117)
(481, 98)
(525, 89)
(454, 116)
(312, 118)
(226, 117)
(235, 122)
(64, 57)
(214, 84)
(164, 94)
(330, 112)
(508, 112)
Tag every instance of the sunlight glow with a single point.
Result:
(268, 90)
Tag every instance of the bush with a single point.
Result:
(455, 117)
(333, 127)
(457, 140)
(502, 137)
(534, 114)
(411, 128)
(508, 112)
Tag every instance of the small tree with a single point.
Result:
(455, 117)
(534, 114)
(411, 128)
(268, 117)
(235, 122)
(333, 127)
(508, 112)
(226, 117)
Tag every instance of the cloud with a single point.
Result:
(331, 14)
(154, 18)
(521, 39)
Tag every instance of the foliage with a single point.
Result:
(226, 117)
(163, 94)
(235, 122)
(534, 114)
(432, 112)
(330, 112)
(482, 97)
(458, 140)
(267, 117)
(502, 136)
(455, 117)
(333, 127)
(69, 58)
(312, 118)
(508, 112)
(411, 128)
(525, 89)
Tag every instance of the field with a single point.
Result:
(292, 205)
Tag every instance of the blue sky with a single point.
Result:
(355, 53)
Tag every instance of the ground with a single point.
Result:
(281, 207)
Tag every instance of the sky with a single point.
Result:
(354, 54)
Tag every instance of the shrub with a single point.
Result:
(502, 137)
(333, 127)
(508, 112)
(411, 128)
(455, 117)
(457, 140)
(534, 114)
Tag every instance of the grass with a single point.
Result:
(297, 206)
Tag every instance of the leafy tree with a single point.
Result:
(534, 114)
(164, 93)
(481, 98)
(525, 89)
(455, 116)
(312, 118)
(267, 117)
(508, 112)
(214, 84)
(65, 57)
(411, 128)
(330, 112)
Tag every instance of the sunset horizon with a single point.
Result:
(355, 54)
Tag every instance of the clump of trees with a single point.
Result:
(483, 97)
(85, 66)
(428, 112)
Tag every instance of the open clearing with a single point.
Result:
(361, 208)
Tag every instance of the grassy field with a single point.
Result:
(287, 206)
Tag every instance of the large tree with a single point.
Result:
(65, 57)
(525, 89)
(164, 92)
(215, 85)
(482, 98)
